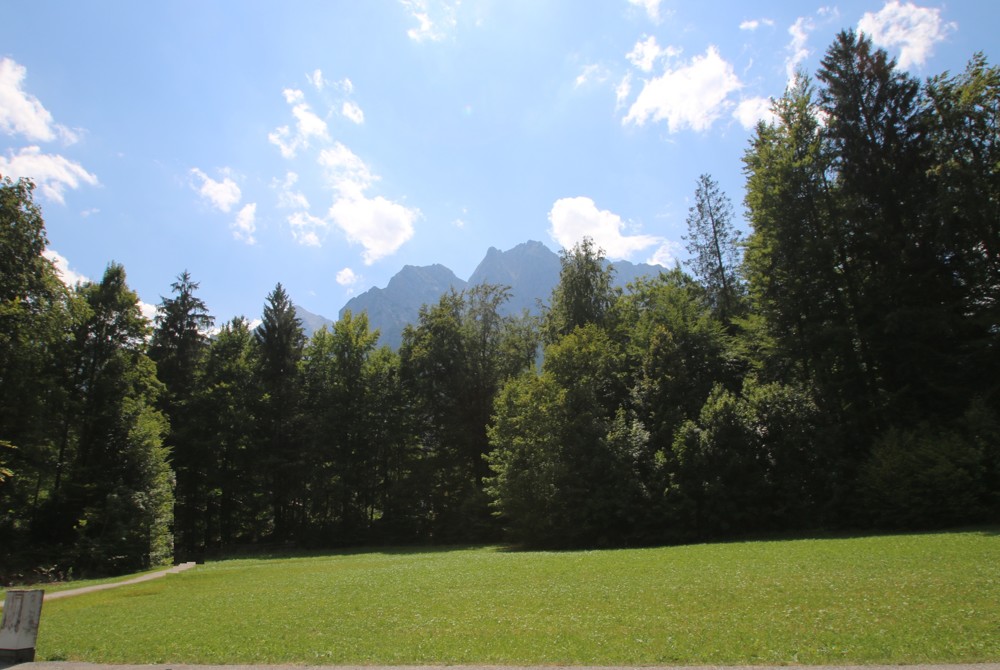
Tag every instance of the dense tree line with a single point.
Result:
(836, 367)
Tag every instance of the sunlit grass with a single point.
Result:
(893, 599)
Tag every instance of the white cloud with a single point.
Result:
(622, 90)
(52, 173)
(797, 47)
(379, 225)
(346, 173)
(646, 52)
(22, 113)
(69, 276)
(915, 30)
(665, 255)
(353, 112)
(573, 219)
(752, 110)
(592, 73)
(652, 8)
(434, 18)
(692, 96)
(222, 195)
(316, 79)
(148, 310)
(288, 198)
(307, 126)
(346, 277)
(245, 224)
(306, 228)
(754, 24)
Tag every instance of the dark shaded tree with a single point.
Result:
(178, 347)
(119, 498)
(279, 347)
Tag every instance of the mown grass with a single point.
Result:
(890, 599)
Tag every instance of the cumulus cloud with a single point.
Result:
(652, 8)
(22, 113)
(306, 228)
(692, 96)
(379, 225)
(346, 277)
(316, 79)
(148, 310)
(352, 112)
(288, 197)
(646, 52)
(308, 126)
(573, 219)
(346, 173)
(68, 276)
(435, 18)
(752, 110)
(754, 24)
(52, 173)
(665, 255)
(222, 195)
(245, 224)
(914, 30)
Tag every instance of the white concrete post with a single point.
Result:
(22, 611)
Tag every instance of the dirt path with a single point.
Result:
(113, 585)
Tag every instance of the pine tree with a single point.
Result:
(714, 244)
(178, 347)
(279, 344)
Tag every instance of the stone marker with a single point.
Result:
(22, 611)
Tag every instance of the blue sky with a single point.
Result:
(327, 144)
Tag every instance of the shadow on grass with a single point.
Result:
(282, 553)
(265, 553)
(765, 537)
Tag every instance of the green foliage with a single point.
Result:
(750, 462)
(453, 363)
(932, 476)
(585, 293)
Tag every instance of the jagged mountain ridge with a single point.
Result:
(530, 269)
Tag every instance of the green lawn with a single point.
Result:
(892, 599)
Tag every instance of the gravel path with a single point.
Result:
(113, 585)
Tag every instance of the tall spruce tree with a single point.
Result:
(178, 347)
(280, 341)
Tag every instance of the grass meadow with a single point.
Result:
(887, 599)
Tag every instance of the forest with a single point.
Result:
(836, 368)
